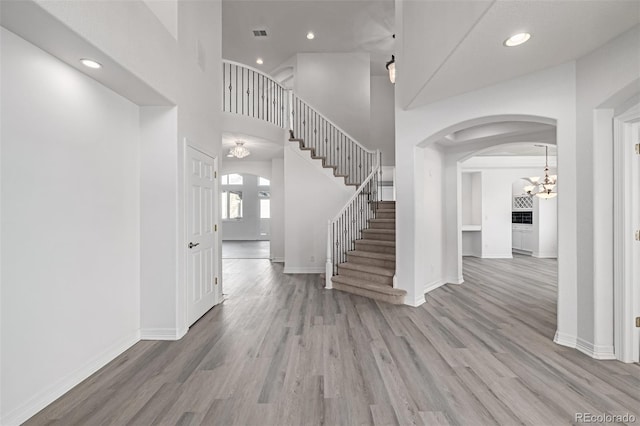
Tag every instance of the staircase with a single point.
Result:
(370, 268)
(361, 237)
(325, 162)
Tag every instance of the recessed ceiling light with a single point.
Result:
(310, 35)
(90, 63)
(517, 39)
(259, 61)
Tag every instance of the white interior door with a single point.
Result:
(201, 244)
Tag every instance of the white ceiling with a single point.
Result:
(339, 26)
(461, 41)
(463, 47)
(261, 149)
(519, 150)
(515, 138)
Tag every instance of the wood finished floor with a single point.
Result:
(283, 351)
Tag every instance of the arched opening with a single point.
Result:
(477, 167)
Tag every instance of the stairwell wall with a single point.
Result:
(338, 86)
(312, 196)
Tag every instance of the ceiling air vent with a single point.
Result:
(259, 33)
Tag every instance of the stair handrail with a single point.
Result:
(274, 111)
(337, 148)
(359, 210)
(256, 70)
(370, 151)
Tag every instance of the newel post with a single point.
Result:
(328, 270)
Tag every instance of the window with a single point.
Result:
(232, 179)
(265, 209)
(263, 182)
(232, 204)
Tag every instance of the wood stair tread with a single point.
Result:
(383, 220)
(377, 242)
(368, 268)
(368, 285)
(372, 255)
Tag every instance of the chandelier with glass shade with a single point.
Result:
(542, 187)
(239, 151)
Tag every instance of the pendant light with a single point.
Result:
(542, 188)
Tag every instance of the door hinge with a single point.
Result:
(637, 321)
(216, 282)
(638, 148)
(215, 175)
(638, 235)
(215, 228)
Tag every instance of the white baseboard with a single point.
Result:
(159, 334)
(433, 285)
(498, 256)
(565, 339)
(419, 301)
(543, 255)
(304, 270)
(595, 351)
(454, 280)
(49, 394)
(277, 259)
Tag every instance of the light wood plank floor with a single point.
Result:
(283, 351)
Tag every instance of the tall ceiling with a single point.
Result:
(450, 46)
(338, 26)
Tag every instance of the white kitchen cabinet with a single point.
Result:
(522, 238)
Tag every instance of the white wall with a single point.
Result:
(167, 13)
(382, 129)
(471, 198)
(158, 193)
(605, 78)
(258, 168)
(178, 71)
(70, 227)
(338, 86)
(545, 227)
(431, 238)
(312, 196)
(277, 210)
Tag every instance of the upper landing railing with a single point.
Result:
(250, 92)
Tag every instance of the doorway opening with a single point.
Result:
(246, 216)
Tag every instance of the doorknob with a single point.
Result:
(192, 245)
